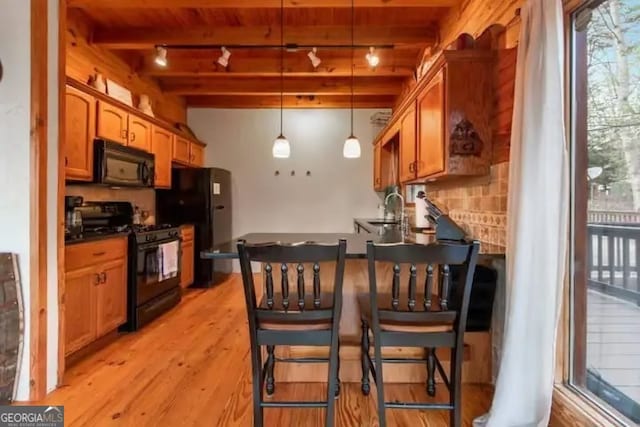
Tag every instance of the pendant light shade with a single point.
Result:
(282, 149)
(351, 149)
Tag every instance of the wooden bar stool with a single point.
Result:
(418, 319)
(292, 319)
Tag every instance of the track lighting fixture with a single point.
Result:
(224, 58)
(372, 57)
(161, 56)
(315, 61)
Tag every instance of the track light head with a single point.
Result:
(372, 57)
(224, 57)
(315, 61)
(161, 56)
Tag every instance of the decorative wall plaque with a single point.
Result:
(464, 140)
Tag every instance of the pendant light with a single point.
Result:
(351, 149)
(281, 148)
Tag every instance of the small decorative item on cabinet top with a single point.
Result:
(464, 140)
(97, 82)
(145, 105)
(118, 92)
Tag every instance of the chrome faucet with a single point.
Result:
(404, 223)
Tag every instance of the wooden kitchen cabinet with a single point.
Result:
(444, 123)
(113, 123)
(95, 294)
(187, 259)
(139, 133)
(80, 128)
(161, 147)
(111, 298)
(377, 167)
(79, 312)
(408, 145)
(181, 150)
(197, 155)
(430, 147)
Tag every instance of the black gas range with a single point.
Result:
(153, 276)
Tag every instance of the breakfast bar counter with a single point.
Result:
(477, 366)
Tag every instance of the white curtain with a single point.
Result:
(537, 224)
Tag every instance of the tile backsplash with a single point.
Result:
(479, 207)
(144, 198)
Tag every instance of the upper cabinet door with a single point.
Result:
(181, 150)
(161, 146)
(139, 135)
(431, 150)
(197, 155)
(112, 123)
(80, 129)
(408, 145)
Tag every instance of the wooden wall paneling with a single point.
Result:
(475, 16)
(84, 59)
(38, 201)
(62, 87)
(504, 90)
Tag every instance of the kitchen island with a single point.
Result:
(477, 366)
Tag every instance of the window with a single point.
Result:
(605, 344)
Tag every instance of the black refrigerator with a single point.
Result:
(202, 197)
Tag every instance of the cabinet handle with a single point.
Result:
(133, 136)
(411, 167)
(124, 134)
(98, 280)
(103, 277)
(99, 253)
(66, 161)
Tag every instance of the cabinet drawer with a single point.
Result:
(85, 254)
(187, 232)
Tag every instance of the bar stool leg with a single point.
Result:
(364, 348)
(271, 361)
(431, 371)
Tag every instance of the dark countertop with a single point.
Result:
(356, 242)
(92, 237)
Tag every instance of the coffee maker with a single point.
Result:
(73, 217)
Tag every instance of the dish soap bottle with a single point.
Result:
(136, 216)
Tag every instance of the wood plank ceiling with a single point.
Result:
(194, 30)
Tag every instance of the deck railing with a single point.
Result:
(614, 217)
(614, 260)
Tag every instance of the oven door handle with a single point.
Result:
(155, 244)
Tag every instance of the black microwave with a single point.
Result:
(121, 166)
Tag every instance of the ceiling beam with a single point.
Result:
(405, 36)
(198, 64)
(292, 86)
(239, 4)
(331, 101)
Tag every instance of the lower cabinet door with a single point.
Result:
(79, 308)
(111, 301)
(188, 254)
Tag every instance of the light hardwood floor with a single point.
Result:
(191, 368)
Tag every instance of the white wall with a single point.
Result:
(52, 198)
(338, 189)
(15, 152)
